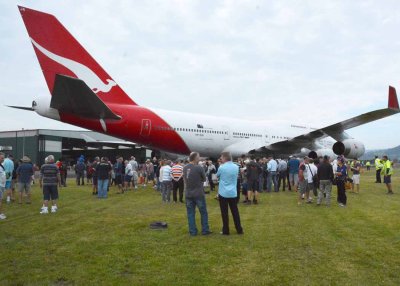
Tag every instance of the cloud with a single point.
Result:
(311, 61)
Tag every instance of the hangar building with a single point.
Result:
(68, 144)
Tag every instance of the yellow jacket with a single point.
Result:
(387, 168)
(378, 164)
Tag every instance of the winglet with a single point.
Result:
(393, 102)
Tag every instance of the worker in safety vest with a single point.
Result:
(368, 165)
(387, 174)
(378, 167)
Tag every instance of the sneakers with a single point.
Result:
(54, 209)
(44, 210)
(3, 216)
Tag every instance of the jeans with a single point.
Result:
(102, 187)
(272, 178)
(191, 204)
(232, 203)
(177, 185)
(260, 183)
(282, 178)
(342, 198)
(166, 187)
(378, 176)
(80, 177)
(325, 187)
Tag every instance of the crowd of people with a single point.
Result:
(189, 181)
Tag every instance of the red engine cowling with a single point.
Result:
(349, 148)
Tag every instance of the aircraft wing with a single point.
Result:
(337, 130)
(93, 142)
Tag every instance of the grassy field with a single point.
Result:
(108, 242)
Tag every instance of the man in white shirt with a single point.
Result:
(166, 182)
(272, 168)
(134, 164)
(3, 180)
(128, 178)
(310, 173)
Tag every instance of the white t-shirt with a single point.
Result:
(128, 170)
(3, 178)
(307, 173)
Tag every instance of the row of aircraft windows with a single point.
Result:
(216, 132)
(201, 131)
(247, 134)
(190, 130)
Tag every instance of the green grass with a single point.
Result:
(108, 242)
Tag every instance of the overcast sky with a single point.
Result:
(316, 62)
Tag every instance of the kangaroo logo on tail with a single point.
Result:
(81, 71)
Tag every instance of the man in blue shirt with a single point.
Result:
(9, 168)
(227, 175)
(294, 165)
(272, 168)
(24, 176)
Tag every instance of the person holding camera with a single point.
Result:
(341, 176)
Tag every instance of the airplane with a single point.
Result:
(84, 95)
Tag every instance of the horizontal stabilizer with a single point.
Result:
(73, 96)
(21, 107)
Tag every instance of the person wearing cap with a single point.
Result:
(356, 169)
(24, 178)
(387, 171)
(341, 176)
(378, 168)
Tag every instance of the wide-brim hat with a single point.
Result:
(25, 159)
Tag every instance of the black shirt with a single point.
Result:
(103, 171)
(325, 171)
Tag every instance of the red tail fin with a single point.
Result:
(393, 102)
(59, 52)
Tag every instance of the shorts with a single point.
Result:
(387, 179)
(24, 187)
(118, 179)
(244, 188)
(2, 190)
(128, 178)
(294, 178)
(50, 193)
(356, 179)
(303, 186)
(150, 177)
(8, 185)
(94, 181)
(252, 186)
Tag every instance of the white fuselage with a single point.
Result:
(211, 135)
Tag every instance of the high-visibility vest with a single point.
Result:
(378, 164)
(387, 168)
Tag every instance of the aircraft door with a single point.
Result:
(226, 132)
(146, 127)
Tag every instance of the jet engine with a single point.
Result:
(349, 148)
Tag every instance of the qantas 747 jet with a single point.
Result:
(83, 94)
